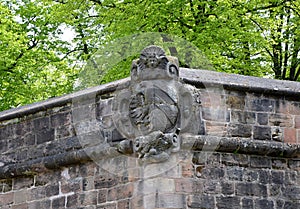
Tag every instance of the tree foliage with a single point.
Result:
(248, 37)
(30, 66)
(256, 37)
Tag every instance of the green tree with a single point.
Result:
(256, 37)
(247, 37)
(279, 23)
(30, 66)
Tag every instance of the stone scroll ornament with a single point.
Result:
(155, 110)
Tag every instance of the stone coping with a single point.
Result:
(202, 78)
(241, 83)
(62, 100)
(194, 143)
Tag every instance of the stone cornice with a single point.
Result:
(191, 143)
(240, 83)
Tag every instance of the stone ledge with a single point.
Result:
(32, 167)
(190, 142)
(241, 146)
(228, 81)
(62, 100)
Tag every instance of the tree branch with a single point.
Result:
(286, 48)
(298, 71)
(270, 6)
(258, 25)
(60, 1)
(293, 9)
(70, 52)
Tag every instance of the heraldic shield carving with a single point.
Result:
(155, 110)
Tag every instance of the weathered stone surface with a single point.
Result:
(188, 186)
(297, 122)
(170, 200)
(72, 201)
(262, 118)
(120, 192)
(279, 163)
(250, 176)
(21, 183)
(228, 202)
(227, 188)
(36, 193)
(247, 203)
(237, 159)
(107, 206)
(240, 130)
(216, 128)
(213, 173)
(261, 104)
(201, 201)
(41, 123)
(213, 114)
(235, 173)
(212, 187)
(292, 192)
(264, 204)
(58, 202)
(88, 198)
(45, 136)
(43, 204)
(243, 117)
(277, 177)
(264, 176)
(124, 204)
(290, 135)
(281, 120)
(236, 102)
(251, 189)
(277, 133)
(260, 162)
(52, 190)
(262, 133)
(102, 196)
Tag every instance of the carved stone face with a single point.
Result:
(152, 55)
(153, 64)
(152, 61)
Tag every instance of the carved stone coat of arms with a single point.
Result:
(156, 108)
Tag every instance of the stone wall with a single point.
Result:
(244, 153)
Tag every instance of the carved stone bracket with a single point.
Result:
(156, 108)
